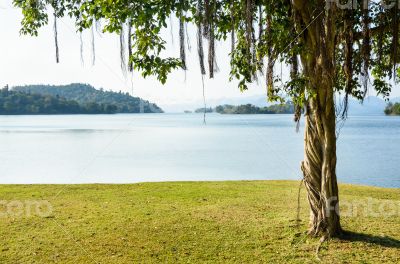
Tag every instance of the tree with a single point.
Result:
(331, 48)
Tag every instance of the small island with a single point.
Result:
(392, 109)
(286, 108)
(69, 99)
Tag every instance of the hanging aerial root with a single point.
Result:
(81, 48)
(211, 53)
(249, 30)
(206, 21)
(122, 50)
(56, 38)
(232, 27)
(211, 41)
(200, 49)
(260, 22)
(366, 48)
(395, 40)
(130, 63)
(93, 47)
(182, 42)
(348, 60)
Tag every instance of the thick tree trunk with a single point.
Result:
(319, 165)
(319, 170)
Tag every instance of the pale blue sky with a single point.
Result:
(31, 60)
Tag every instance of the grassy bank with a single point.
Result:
(242, 222)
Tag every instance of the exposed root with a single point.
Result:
(321, 241)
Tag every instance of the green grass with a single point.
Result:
(190, 222)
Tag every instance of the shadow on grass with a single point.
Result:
(383, 241)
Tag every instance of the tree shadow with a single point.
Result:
(383, 241)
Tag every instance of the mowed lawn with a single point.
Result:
(192, 222)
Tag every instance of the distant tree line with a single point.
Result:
(20, 103)
(392, 109)
(70, 99)
(286, 108)
(201, 110)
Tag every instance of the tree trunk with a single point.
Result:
(319, 169)
(319, 165)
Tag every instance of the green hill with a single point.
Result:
(87, 94)
(21, 103)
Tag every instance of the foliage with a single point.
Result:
(287, 108)
(21, 103)
(86, 94)
(392, 109)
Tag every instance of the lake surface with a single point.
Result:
(128, 148)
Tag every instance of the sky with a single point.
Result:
(31, 60)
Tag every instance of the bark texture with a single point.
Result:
(319, 165)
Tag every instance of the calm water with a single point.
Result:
(168, 147)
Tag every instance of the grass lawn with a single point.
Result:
(192, 222)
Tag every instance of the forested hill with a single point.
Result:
(21, 103)
(86, 94)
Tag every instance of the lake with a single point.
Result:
(129, 148)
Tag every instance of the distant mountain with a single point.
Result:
(86, 94)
